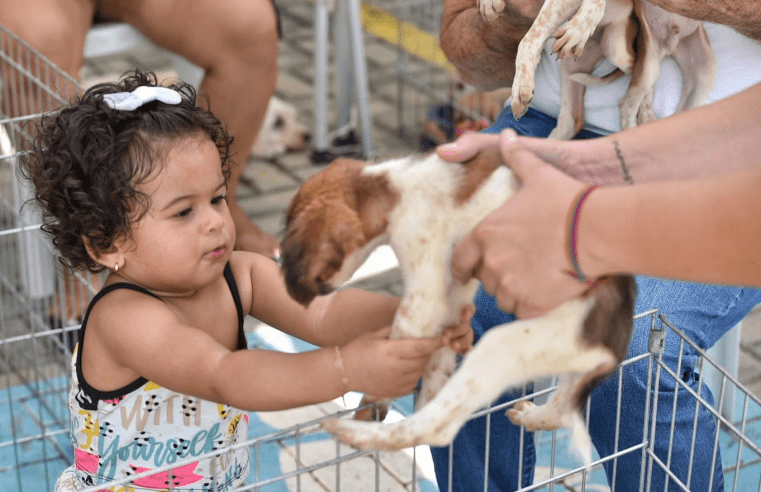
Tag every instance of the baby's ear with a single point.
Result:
(108, 259)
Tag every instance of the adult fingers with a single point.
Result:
(465, 147)
(517, 156)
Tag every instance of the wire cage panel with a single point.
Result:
(433, 105)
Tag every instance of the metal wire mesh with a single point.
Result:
(35, 317)
(40, 304)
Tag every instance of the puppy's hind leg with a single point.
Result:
(507, 356)
(571, 117)
(618, 43)
(437, 372)
(697, 62)
(564, 408)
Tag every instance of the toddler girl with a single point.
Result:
(132, 179)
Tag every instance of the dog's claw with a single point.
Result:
(521, 100)
(522, 91)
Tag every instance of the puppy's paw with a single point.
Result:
(342, 430)
(523, 92)
(570, 40)
(524, 413)
(364, 435)
(645, 113)
(490, 9)
(562, 131)
(628, 114)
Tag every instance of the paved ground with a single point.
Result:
(271, 183)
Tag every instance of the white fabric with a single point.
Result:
(739, 67)
(129, 101)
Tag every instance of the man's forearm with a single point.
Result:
(742, 15)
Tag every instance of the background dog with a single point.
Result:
(422, 206)
(281, 131)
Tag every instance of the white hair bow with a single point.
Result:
(128, 101)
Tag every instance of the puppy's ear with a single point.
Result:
(317, 240)
(346, 231)
(299, 250)
(375, 198)
(341, 238)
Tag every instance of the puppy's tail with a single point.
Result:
(588, 80)
(580, 440)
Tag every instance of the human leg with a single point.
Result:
(55, 28)
(704, 313)
(236, 43)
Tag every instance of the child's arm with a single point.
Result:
(334, 319)
(131, 335)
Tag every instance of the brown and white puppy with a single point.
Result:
(661, 34)
(572, 22)
(423, 206)
(614, 39)
(587, 31)
(281, 131)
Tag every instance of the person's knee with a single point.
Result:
(57, 38)
(252, 33)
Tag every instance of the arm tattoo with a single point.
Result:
(624, 167)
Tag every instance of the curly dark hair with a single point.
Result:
(88, 159)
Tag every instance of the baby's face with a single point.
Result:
(185, 239)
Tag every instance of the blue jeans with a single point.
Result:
(703, 312)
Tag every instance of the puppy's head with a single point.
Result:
(330, 226)
(281, 131)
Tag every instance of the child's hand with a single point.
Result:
(460, 337)
(387, 368)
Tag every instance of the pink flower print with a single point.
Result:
(85, 461)
(183, 475)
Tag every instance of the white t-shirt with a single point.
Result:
(738, 61)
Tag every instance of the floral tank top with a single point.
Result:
(143, 426)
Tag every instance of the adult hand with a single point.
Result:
(589, 161)
(519, 251)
